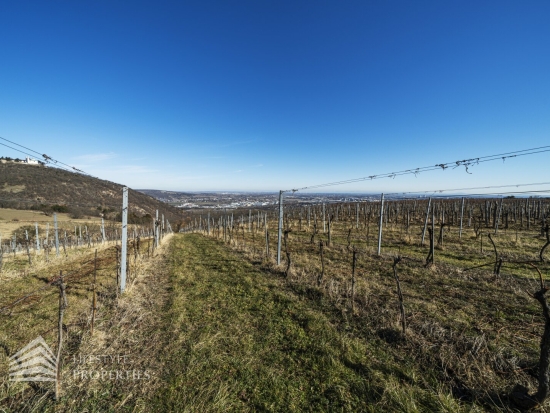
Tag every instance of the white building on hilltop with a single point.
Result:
(30, 161)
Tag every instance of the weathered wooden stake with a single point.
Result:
(426, 220)
(62, 306)
(498, 216)
(380, 224)
(94, 294)
(461, 217)
(354, 262)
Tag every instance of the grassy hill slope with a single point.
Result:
(52, 189)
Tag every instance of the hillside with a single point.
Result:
(167, 196)
(51, 189)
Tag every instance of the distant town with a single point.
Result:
(235, 200)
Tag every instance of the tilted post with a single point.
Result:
(280, 227)
(380, 225)
(124, 239)
(426, 220)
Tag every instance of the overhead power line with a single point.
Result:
(466, 163)
(47, 159)
(468, 189)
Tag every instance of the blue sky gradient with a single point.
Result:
(268, 95)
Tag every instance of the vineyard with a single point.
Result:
(453, 287)
(384, 304)
(63, 281)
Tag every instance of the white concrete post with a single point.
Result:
(56, 235)
(37, 240)
(124, 239)
(280, 227)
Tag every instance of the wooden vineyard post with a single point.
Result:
(62, 306)
(94, 294)
(330, 218)
(380, 224)
(208, 226)
(124, 239)
(280, 230)
(266, 238)
(396, 261)
(528, 215)
(461, 218)
(353, 265)
(426, 220)
(157, 229)
(498, 215)
(432, 242)
(320, 277)
(324, 226)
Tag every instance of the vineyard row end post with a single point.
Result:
(124, 239)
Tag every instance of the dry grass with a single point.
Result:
(14, 189)
(13, 219)
(470, 334)
(115, 326)
(222, 329)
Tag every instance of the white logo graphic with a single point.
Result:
(34, 362)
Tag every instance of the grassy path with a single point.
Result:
(240, 341)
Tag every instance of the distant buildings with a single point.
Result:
(26, 161)
(30, 161)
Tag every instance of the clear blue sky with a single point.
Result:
(268, 95)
